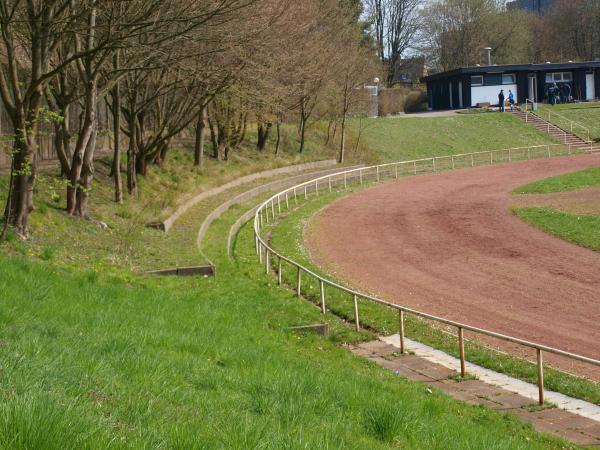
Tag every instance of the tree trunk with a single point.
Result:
(116, 165)
(213, 138)
(343, 138)
(263, 135)
(199, 147)
(278, 142)
(131, 157)
(87, 175)
(20, 201)
(302, 133)
(88, 129)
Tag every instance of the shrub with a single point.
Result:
(416, 101)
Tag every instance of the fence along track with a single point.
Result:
(267, 211)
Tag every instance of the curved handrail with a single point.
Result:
(260, 243)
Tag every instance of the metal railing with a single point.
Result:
(267, 211)
(571, 124)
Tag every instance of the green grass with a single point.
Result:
(96, 360)
(567, 182)
(397, 139)
(287, 237)
(586, 114)
(578, 229)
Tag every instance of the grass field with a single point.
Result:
(397, 139)
(586, 114)
(583, 230)
(288, 238)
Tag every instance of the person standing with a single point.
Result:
(501, 100)
(511, 100)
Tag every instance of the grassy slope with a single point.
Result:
(586, 114)
(128, 243)
(90, 360)
(398, 139)
(288, 238)
(579, 229)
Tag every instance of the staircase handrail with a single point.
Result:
(572, 124)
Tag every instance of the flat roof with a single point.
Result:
(502, 68)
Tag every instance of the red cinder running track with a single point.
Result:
(448, 245)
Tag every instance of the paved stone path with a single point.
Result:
(578, 422)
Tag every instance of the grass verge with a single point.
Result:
(287, 237)
(573, 181)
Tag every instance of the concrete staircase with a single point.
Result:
(560, 135)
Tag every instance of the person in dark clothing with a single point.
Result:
(501, 100)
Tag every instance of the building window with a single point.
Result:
(559, 77)
(477, 80)
(508, 78)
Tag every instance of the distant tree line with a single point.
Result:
(162, 66)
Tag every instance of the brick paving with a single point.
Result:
(570, 425)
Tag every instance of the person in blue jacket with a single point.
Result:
(511, 100)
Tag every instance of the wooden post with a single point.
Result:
(401, 326)
(299, 282)
(528, 152)
(317, 187)
(491, 157)
(305, 192)
(329, 182)
(472, 160)
(360, 176)
(548, 151)
(345, 182)
(377, 171)
(322, 292)
(279, 272)
(509, 155)
(452, 162)
(396, 169)
(433, 163)
(356, 322)
(461, 348)
(295, 196)
(540, 370)
(287, 201)
(415, 167)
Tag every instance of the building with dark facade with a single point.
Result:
(535, 6)
(468, 87)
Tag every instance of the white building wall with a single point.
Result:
(489, 94)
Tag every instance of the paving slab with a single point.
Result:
(574, 420)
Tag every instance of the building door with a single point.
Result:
(451, 95)
(532, 90)
(590, 87)
(460, 95)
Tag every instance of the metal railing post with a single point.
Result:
(509, 155)
(279, 266)
(273, 209)
(345, 181)
(322, 294)
(356, 322)
(433, 163)
(377, 171)
(259, 253)
(528, 152)
(415, 167)
(360, 176)
(461, 349)
(299, 282)
(472, 160)
(491, 157)
(317, 187)
(295, 196)
(401, 329)
(287, 201)
(540, 376)
(452, 162)
(305, 192)
(396, 170)
(548, 151)
(329, 182)
(267, 262)
(279, 204)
